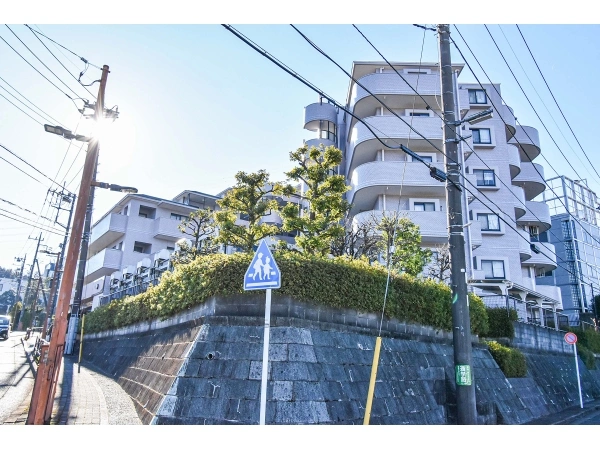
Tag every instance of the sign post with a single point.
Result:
(571, 339)
(263, 273)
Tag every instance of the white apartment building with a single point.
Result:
(501, 264)
(135, 237)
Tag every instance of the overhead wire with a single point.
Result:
(31, 117)
(555, 101)
(320, 92)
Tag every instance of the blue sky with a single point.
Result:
(197, 105)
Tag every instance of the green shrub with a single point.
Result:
(511, 361)
(587, 356)
(338, 282)
(589, 339)
(500, 322)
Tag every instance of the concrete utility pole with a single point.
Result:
(22, 260)
(53, 289)
(461, 325)
(37, 247)
(46, 380)
(73, 321)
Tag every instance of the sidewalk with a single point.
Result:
(82, 398)
(567, 416)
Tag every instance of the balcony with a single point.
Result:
(538, 214)
(508, 117)
(372, 179)
(524, 245)
(527, 140)
(107, 231)
(167, 229)
(99, 286)
(432, 224)
(514, 161)
(103, 264)
(393, 131)
(394, 91)
(545, 260)
(520, 202)
(531, 179)
(316, 112)
(475, 234)
(317, 142)
(552, 292)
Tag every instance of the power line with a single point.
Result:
(44, 112)
(21, 170)
(34, 68)
(60, 62)
(530, 104)
(32, 118)
(44, 64)
(34, 168)
(14, 204)
(34, 225)
(555, 101)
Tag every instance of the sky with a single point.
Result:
(196, 104)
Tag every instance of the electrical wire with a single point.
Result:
(32, 118)
(14, 204)
(60, 62)
(37, 107)
(34, 226)
(304, 81)
(555, 101)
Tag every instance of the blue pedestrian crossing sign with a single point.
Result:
(263, 272)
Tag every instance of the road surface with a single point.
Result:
(16, 377)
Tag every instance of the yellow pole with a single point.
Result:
(81, 344)
(372, 381)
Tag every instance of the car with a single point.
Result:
(4, 327)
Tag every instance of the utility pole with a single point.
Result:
(53, 290)
(37, 247)
(73, 321)
(22, 260)
(41, 287)
(47, 376)
(461, 325)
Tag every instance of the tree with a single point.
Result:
(318, 217)
(400, 244)
(359, 239)
(6, 300)
(7, 273)
(251, 199)
(439, 265)
(200, 226)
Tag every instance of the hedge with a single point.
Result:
(501, 322)
(336, 282)
(511, 361)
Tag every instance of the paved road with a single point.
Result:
(590, 418)
(16, 376)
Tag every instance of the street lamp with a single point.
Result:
(115, 187)
(67, 134)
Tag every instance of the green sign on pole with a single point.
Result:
(463, 375)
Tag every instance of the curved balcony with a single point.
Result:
(527, 140)
(531, 179)
(432, 224)
(510, 122)
(376, 178)
(537, 214)
(520, 202)
(317, 112)
(514, 161)
(317, 142)
(545, 259)
(364, 146)
(524, 246)
(396, 93)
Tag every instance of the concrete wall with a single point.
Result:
(207, 369)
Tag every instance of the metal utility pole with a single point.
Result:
(47, 376)
(461, 326)
(73, 321)
(53, 290)
(37, 247)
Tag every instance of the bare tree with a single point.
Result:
(200, 227)
(439, 265)
(359, 239)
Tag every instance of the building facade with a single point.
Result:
(576, 235)
(504, 259)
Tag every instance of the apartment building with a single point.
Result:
(575, 233)
(135, 238)
(504, 261)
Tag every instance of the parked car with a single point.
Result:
(5, 326)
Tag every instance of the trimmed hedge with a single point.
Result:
(501, 322)
(587, 356)
(337, 282)
(511, 361)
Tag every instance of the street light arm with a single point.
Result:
(114, 187)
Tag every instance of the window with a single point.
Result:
(477, 97)
(493, 269)
(418, 114)
(141, 247)
(119, 246)
(176, 216)
(125, 210)
(147, 212)
(485, 177)
(534, 233)
(481, 136)
(171, 249)
(489, 222)
(424, 206)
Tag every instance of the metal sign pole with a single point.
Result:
(265, 363)
(578, 378)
